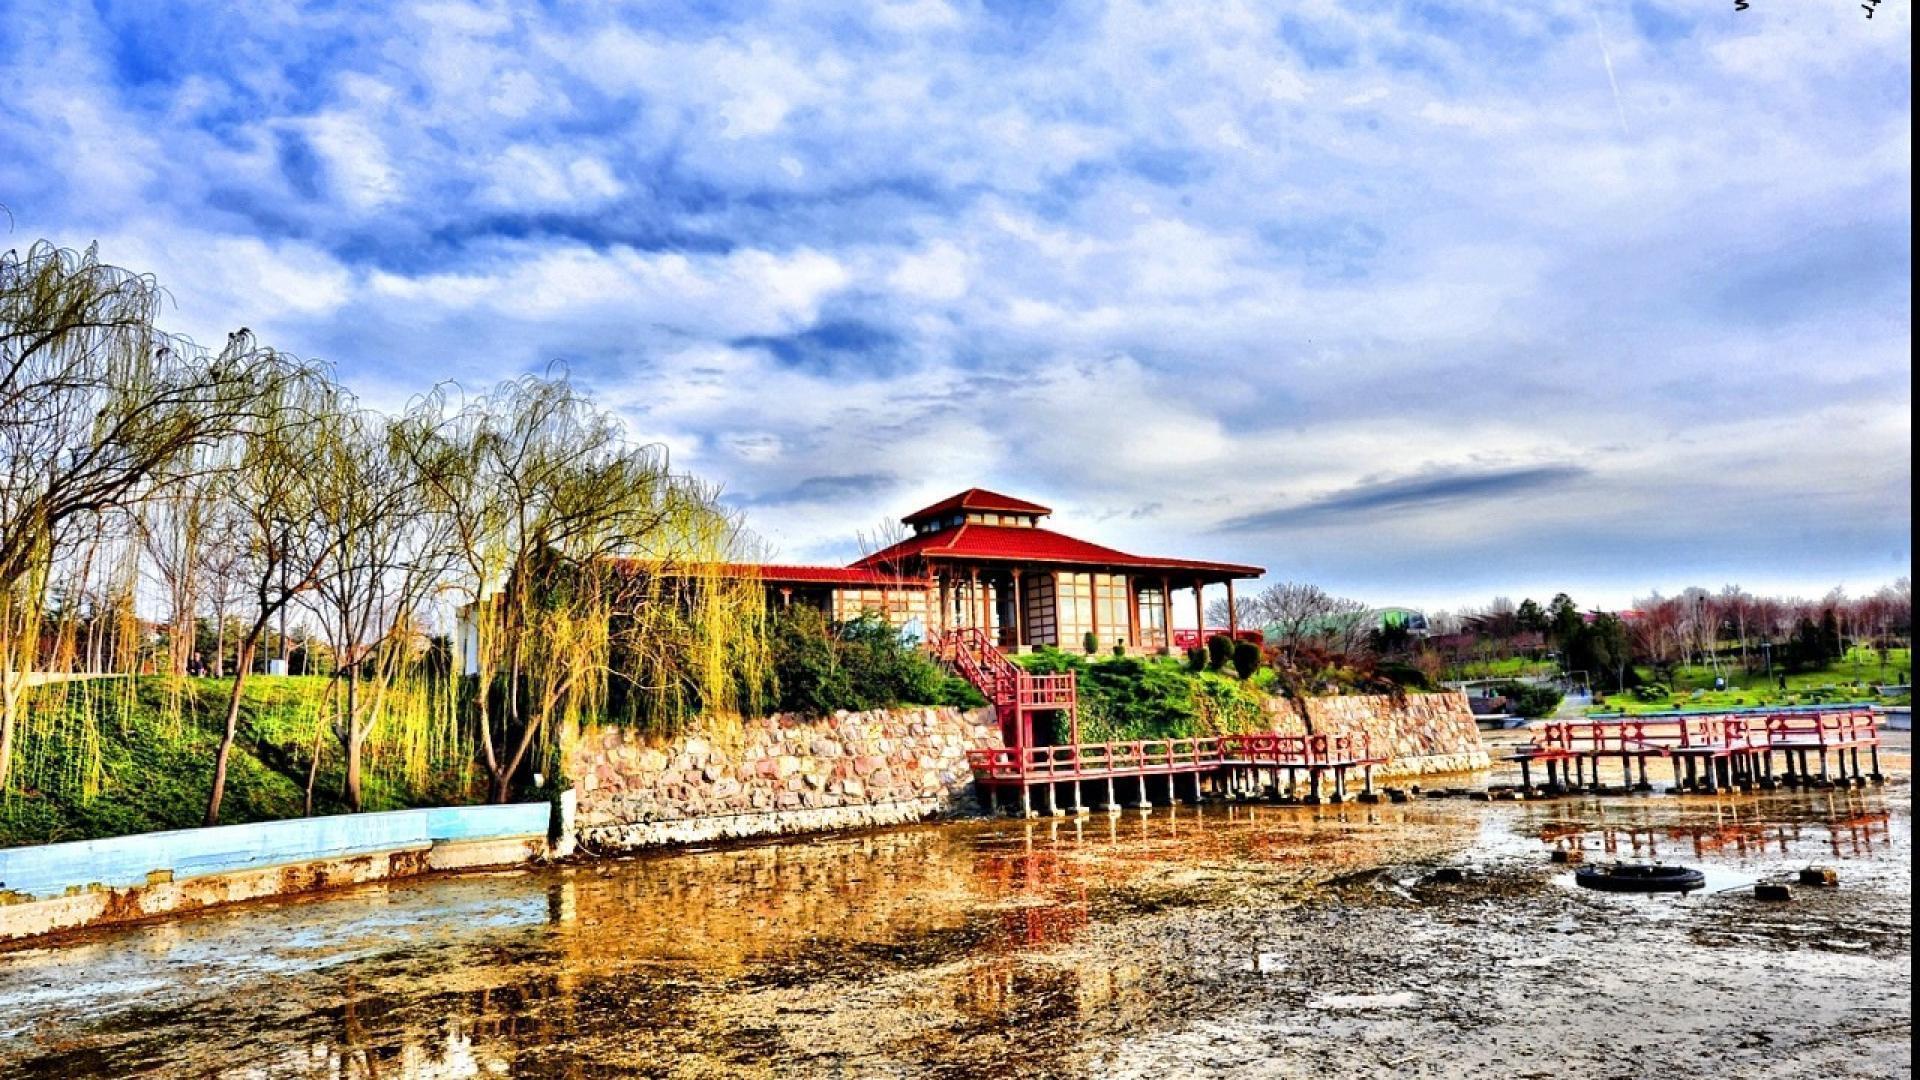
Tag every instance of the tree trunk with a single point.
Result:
(227, 735)
(11, 684)
(354, 737)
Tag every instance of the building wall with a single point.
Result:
(776, 775)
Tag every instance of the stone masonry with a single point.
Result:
(1429, 733)
(776, 774)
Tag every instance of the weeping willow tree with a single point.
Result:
(94, 402)
(574, 549)
(381, 552)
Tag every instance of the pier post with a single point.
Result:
(1873, 751)
(1313, 786)
(1677, 786)
(1026, 799)
(1113, 804)
(1053, 806)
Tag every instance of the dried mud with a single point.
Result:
(1229, 941)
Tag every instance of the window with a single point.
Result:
(1153, 617)
(1092, 602)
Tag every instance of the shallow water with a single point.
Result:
(1230, 941)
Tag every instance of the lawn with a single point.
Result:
(1852, 679)
(1512, 667)
(108, 757)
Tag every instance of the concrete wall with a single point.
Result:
(1427, 733)
(53, 887)
(775, 775)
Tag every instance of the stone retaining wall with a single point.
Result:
(778, 774)
(1428, 733)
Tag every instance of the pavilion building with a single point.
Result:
(982, 559)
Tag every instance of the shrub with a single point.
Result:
(861, 664)
(1531, 700)
(1119, 648)
(1196, 659)
(1219, 651)
(1246, 659)
(1406, 676)
(1090, 642)
(1652, 691)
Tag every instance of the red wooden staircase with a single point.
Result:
(1015, 693)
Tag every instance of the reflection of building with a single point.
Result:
(982, 559)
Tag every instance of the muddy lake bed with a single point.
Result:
(1227, 940)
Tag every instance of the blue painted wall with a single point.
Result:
(51, 869)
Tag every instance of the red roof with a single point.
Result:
(981, 500)
(786, 574)
(1016, 543)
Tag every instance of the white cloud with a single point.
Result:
(1215, 261)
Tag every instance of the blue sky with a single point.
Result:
(1422, 302)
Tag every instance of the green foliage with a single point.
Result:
(1531, 700)
(861, 664)
(155, 738)
(1652, 691)
(1246, 659)
(1405, 676)
(1090, 642)
(1219, 651)
(1196, 659)
(1130, 698)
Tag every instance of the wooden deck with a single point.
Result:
(1760, 749)
(1056, 777)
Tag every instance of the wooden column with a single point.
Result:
(1133, 614)
(1200, 612)
(1233, 612)
(1019, 617)
(1093, 607)
(1166, 613)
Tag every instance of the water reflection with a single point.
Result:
(1011, 946)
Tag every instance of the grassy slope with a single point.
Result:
(157, 769)
(1852, 679)
(1128, 698)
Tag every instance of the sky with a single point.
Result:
(1421, 302)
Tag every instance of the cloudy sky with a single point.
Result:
(1422, 302)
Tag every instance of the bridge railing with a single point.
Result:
(1825, 730)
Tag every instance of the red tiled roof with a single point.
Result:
(1013, 543)
(979, 499)
(778, 573)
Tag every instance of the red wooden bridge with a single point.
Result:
(1710, 752)
(1030, 771)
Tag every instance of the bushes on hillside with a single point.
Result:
(1144, 698)
(1219, 651)
(1246, 659)
(819, 667)
(1531, 700)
